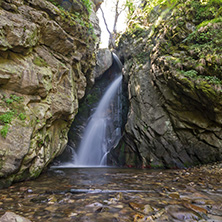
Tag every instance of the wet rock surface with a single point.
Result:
(126, 195)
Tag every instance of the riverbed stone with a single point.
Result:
(12, 217)
(129, 194)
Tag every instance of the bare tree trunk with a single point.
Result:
(113, 33)
(116, 17)
(107, 28)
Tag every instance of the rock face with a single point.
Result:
(104, 61)
(12, 217)
(173, 67)
(46, 60)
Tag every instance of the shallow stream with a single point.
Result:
(111, 194)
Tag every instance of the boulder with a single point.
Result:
(12, 217)
(104, 61)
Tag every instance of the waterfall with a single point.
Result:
(103, 130)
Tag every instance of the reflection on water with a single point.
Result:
(111, 194)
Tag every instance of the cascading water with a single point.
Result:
(103, 129)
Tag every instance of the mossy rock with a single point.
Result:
(39, 61)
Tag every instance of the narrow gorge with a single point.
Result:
(129, 133)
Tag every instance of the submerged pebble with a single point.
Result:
(124, 195)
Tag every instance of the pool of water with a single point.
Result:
(113, 194)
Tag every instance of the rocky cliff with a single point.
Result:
(47, 55)
(173, 66)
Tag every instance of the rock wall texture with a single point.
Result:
(173, 66)
(46, 59)
(104, 61)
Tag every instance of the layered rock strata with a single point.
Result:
(173, 66)
(46, 59)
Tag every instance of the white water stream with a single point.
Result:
(96, 140)
(103, 130)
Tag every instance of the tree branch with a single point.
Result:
(111, 40)
(104, 19)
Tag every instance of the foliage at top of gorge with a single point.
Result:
(76, 12)
(191, 27)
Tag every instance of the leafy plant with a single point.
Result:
(213, 80)
(4, 130)
(7, 117)
(12, 103)
(193, 74)
(88, 5)
(190, 73)
(131, 7)
(72, 16)
(16, 98)
(9, 101)
(22, 116)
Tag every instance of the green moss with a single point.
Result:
(88, 5)
(40, 143)
(4, 130)
(212, 21)
(6, 182)
(206, 88)
(20, 176)
(142, 57)
(156, 166)
(15, 106)
(145, 128)
(22, 116)
(39, 62)
(35, 173)
(91, 99)
(122, 153)
(76, 19)
(7, 117)
(190, 73)
(71, 16)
